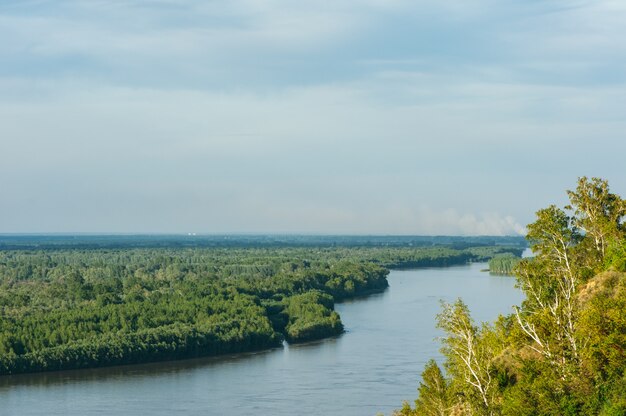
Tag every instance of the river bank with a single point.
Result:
(372, 367)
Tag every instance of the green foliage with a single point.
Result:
(433, 397)
(563, 352)
(615, 258)
(503, 264)
(470, 352)
(85, 307)
(598, 214)
(602, 326)
(615, 398)
(311, 317)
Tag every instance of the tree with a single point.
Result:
(433, 399)
(550, 281)
(433, 392)
(563, 350)
(469, 358)
(598, 213)
(569, 249)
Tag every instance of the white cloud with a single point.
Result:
(424, 219)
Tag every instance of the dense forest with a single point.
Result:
(72, 305)
(563, 351)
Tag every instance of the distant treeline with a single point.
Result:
(66, 309)
(84, 241)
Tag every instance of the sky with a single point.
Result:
(439, 117)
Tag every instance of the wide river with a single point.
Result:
(371, 368)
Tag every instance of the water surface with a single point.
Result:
(371, 368)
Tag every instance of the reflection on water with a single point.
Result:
(372, 367)
(130, 371)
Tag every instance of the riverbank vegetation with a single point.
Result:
(503, 264)
(83, 306)
(563, 351)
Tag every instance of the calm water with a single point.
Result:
(370, 369)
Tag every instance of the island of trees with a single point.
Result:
(503, 264)
(68, 303)
(563, 351)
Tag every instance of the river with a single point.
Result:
(371, 368)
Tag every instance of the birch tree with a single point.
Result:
(550, 282)
(598, 213)
(569, 249)
(469, 357)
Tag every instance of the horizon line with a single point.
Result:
(240, 233)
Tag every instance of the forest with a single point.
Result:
(563, 351)
(90, 302)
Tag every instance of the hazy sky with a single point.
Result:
(370, 116)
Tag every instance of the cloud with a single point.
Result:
(486, 224)
(327, 158)
(266, 45)
(258, 115)
(423, 219)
